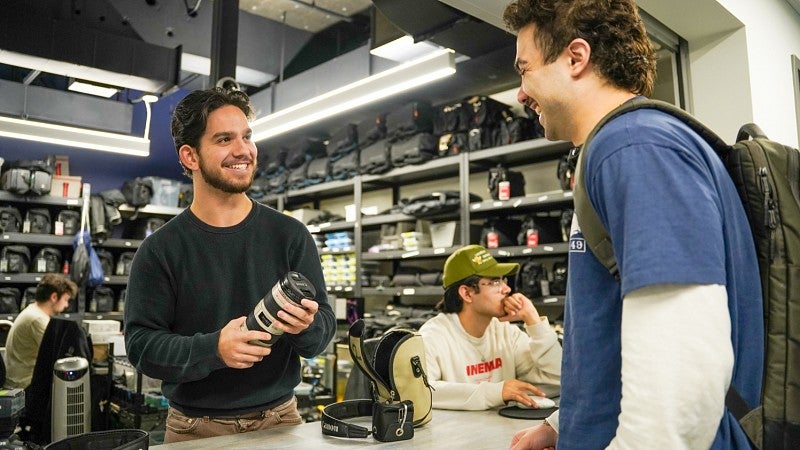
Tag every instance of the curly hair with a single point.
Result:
(55, 283)
(191, 115)
(621, 50)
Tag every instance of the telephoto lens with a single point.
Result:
(292, 288)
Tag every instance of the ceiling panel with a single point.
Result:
(308, 15)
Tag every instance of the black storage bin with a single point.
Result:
(127, 439)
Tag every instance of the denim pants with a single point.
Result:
(181, 427)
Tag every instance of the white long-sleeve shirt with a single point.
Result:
(467, 373)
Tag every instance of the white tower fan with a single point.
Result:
(71, 411)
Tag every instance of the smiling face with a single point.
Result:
(227, 156)
(542, 86)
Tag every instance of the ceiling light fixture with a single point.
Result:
(381, 85)
(73, 137)
(92, 89)
(404, 49)
(83, 72)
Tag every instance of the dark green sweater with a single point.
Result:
(189, 279)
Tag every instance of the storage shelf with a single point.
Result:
(151, 210)
(115, 280)
(531, 201)
(331, 226)
(120, 243)
(369, 221)
(37, 239)
(337, 251)
(409, 254)
(396, 291)
(433, 169)
(40, 200)
(520, 152)
(27, 278)
(113, 315)
(560, 248)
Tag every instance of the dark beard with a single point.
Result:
(224, 185)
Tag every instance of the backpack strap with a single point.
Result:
(595, 234)
(358, 353)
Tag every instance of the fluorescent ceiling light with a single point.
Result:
(71, 70)
(92, 89)
(74, 137)
(404, 49)
(381, 85)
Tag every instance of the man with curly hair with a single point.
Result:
(648, 355)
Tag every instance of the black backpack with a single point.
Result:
(767, 176)
(531, 279)
(15, 259)
(70, 220)
(9, 300)
(137, 191)
(10, 219)
(47, 260)
(38, 220)
(124, 263)
(376, 158)
(500, 174)
(343, 141)
(102, 299)
(106, 260)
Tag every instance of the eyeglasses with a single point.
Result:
(496, 283)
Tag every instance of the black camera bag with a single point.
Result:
(71, 221)
(343, 141)
(106, 260)
(410, 119)
(414, 149)
(531, 279)
(559, 284)
(375, 131)
(143, 227)
(9, 300)
(435, 203)
(303, 150)
(47, 260)
(297, 177)
(318, 170)
(137, 191)
(124, 263)
(346, 166)
(453, 143)
(277, 183)
(10, 219)
(376, 158)
(451, 117)
(28, 297)
(15, 259)
(16, 181)
(38, 220)
(102, 299)
(501, 173)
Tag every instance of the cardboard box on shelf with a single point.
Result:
(305, 215)
(446, 234)
(65, 186)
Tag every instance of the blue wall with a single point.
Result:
(109, 170)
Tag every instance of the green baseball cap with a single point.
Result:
(474, 260)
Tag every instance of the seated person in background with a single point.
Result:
(25, 336)
(476, 359)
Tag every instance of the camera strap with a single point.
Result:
(333, 415)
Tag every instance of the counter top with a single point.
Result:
(448, 429)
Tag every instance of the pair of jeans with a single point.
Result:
(181, 427)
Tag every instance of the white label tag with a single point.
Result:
(59, 228)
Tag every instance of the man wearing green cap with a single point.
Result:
(476, 358)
